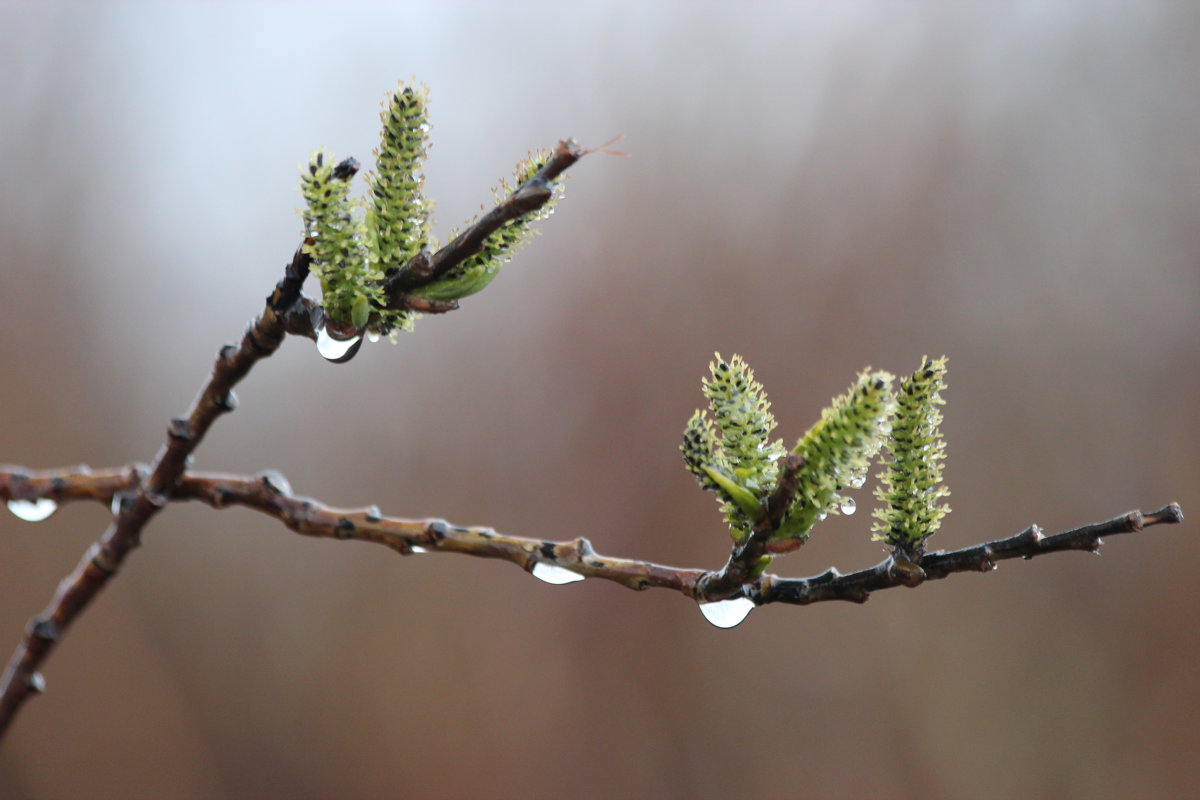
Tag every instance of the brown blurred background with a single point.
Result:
(818, 187)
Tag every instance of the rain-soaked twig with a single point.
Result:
(270, 494)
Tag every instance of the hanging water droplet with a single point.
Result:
(32, 510)
(822, 515)
(727, 613)
(276, 482)
(848, 506)
(121, 501)
(416, 548)
(336, 350)
(552, 573)
(373, 337)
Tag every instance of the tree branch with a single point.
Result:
(893, 571)
(270, 494)
(151, 493)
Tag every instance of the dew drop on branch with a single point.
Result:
(847, 506)
(32, 510)
(727, 613)
(416, 549)
(121, 501)
(552, 573)
(336, 350)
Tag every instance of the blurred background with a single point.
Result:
(816, 186)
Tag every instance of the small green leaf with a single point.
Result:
(746, 500)
(360, 311)
(462, 282)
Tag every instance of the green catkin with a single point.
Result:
(355, 254)
(477, 271)
(740, 466)
(334, 239)
(837, 452)
(398, 215)
(911, 487)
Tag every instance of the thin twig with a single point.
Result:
(270, 494)
(857, 587)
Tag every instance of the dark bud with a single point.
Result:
(346, 169)
(180, 429)
(45, 630)
(533, 194)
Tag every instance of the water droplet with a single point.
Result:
(416, 548)
(727, 613)
(276, 482)
(848, 506)
(373, 337)
(336, 350)
(552, 573)
(32, 510)
(121, 501)
(822, 515)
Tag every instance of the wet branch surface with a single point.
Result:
(270, 494)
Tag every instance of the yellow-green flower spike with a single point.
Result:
(397, 217)
(837, 452)
(743, 414)
(477, 271)
(740, 466)
(911, 483)
(334, 240)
